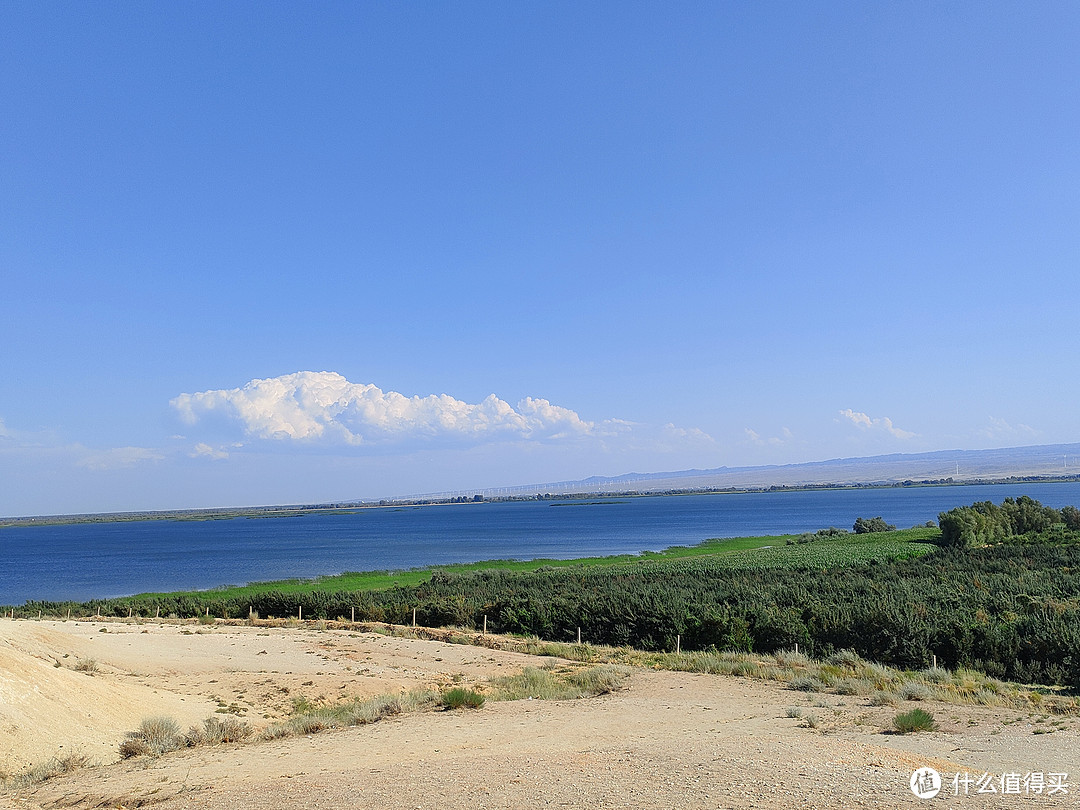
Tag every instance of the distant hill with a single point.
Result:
(942, 466)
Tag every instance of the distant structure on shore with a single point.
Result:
(1038, 462)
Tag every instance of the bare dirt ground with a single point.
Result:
(667, 740)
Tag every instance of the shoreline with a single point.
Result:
(353, 507)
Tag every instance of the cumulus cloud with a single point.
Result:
(880, 423)
(324, 407)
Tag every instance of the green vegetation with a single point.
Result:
(543, 683)
(1009, 609)
(461, 698)
(1021, 520)
(309, 718)
(875, 524)
(915, 720)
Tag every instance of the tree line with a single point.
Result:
(1024, 518)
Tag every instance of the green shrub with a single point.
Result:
(915, 720)
(461, 698)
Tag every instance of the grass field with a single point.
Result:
(736, 553)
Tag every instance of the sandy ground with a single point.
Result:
(668, 740)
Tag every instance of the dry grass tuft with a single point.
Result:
(57, 766)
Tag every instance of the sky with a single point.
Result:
(262, 253)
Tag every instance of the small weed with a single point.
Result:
(87, 665)
(57, 766)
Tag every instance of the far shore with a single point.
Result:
(346, 507)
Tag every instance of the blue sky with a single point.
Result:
(282, 252)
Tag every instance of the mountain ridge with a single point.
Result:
(937, 466)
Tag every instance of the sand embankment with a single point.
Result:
(668, 740)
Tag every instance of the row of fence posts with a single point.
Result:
(299, 616)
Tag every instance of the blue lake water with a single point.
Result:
(87, 561)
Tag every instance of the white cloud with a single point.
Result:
(203, 450)
(1001, 430)
(772, 441)
(880, 423)
(324, 407)
(693, 435)
(117, 458)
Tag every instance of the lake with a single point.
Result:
(96, 560)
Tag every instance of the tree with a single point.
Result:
(875, 524)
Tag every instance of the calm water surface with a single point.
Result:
(87, 561)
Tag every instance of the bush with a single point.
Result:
(915, 720)
(806, 683)
(155, 736)
(460, 697)
(913, 690)
(215, 731)
(844, 658)
(599, 680)
(875, 524)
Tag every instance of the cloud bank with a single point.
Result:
(325, 408)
